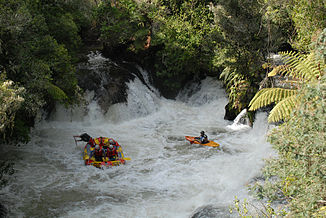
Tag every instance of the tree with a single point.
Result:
(37, 55)
(184, 29)
(241, 48)
(123, 23)
(301, 20)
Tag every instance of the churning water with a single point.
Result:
(166, 177)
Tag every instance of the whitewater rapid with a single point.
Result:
(166, 177)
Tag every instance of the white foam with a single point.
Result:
(167, 176)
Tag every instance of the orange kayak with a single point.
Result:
(192, 140)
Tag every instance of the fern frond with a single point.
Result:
(298, 66)
(292, 83)
(283, 109)
(281, 70)
(270, 95)
(299, 69)
(226, 74)
(232, 78)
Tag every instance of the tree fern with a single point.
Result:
(298, 69)
(283, 109)
(236, 86)
(268, 96)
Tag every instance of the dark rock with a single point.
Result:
(211, 212)
(118, 53)
(230, 113)
(285, 47)
(3, 211)
(107, 80)
(147, 58)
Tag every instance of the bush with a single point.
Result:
(10, 102)
(300, 168)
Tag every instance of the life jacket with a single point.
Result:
(101, 141)
(204, 138)
(98, 153)
(111, 152)
(91, 142)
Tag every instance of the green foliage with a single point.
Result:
(10, 102)
(279, 21)
(247, 209)
(56, 93)
(284, 108)
(240, 208)
(251, 29)
(319, 46)
(20, 131)
(285, 99)
(181, 29)
(270, 95)
(241, 48)
(300, 167)
(64, 20)
(298, 66)
(38, 43)
(125, 23)
(301, 20)
(299, 69)
(236, 86)
(309, 17)
(186, 31)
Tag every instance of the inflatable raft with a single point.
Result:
(193, 140)
(121, 159)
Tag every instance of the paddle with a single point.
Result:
(76, 140)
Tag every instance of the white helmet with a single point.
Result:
(110, 146)
(97, 147)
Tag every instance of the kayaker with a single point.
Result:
(202, 138)
(112, 153)
(97, 153)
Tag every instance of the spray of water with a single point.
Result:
(166, 177)
(240, 123)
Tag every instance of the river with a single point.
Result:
(166, 177)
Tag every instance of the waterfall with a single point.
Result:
(166, 177)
